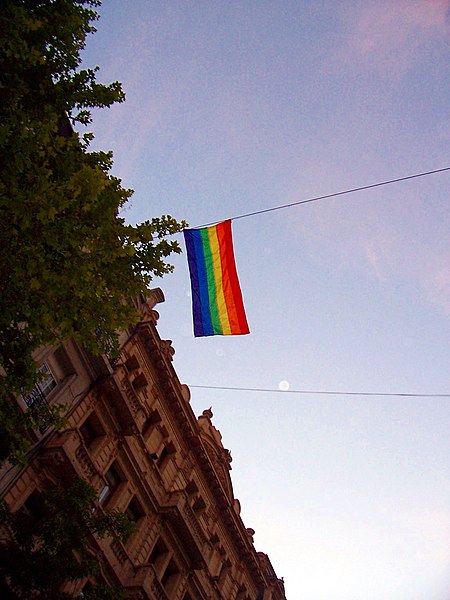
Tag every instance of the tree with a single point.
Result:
(47, 544)
(68, 260)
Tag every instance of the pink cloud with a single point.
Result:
(390, 256)
(374, 259)
(387, 35)
(390, 240)
(438, 286)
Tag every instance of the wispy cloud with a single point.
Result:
(383, 241)
(374, 259)
(438, 286)
(424, 264)
(386, 36)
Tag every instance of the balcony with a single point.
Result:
(184, 521)
(35, 401)
(35, 398)
(145, 581)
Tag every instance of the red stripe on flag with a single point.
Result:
(232, 289)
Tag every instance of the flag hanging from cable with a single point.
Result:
(217, 305)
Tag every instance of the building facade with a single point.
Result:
(131, 433)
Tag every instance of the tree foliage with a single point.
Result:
(67, 257)
(47, 546)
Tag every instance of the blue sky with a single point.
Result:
(239, 106)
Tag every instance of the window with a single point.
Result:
(87, 589)
(48, 382)
(37, 396)
(114, 477)
(226, 566)
(91, 430)
(165, 567)
(64, 362)
(170, 575)
(158, 554)
(134, 510)
(199, 505)
(34, 505)
(140, 381)
(191, 487)
(166, 451)
(214, 539)
(242, 593)
(132, 363)
(150, 423)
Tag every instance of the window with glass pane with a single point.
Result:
(114, 477)
(48, 382)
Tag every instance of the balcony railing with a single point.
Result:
(35, 398)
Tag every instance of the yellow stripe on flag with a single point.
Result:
(217, 267)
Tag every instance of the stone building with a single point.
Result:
(132, 433)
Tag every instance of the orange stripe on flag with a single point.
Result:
(232, 290)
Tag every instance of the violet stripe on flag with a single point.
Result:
(217, 304)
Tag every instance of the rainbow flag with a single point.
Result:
(217, 304)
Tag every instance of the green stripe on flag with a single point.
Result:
(212, 295)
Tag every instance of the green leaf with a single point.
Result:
(68, 260)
